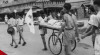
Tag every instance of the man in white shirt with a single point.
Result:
(20, 23)
(43, 30)
(11, 30)
(94, 23)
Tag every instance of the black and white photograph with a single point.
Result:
(49, 27)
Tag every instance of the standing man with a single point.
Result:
(69, 27)
(94, 26)
(43, 30)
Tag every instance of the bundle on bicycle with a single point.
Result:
(55, 43)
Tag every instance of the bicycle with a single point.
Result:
(54, 40)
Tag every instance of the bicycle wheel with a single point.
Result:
(73, 45)
(55, 45)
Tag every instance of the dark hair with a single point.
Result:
(67, 6)
(92, 8)
(97, 2)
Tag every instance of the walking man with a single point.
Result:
(20, 23)
(11, 30)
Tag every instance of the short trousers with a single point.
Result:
(20, 28)
(43, 31)
(68, 36)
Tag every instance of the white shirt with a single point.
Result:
(40, 19)
(95, 20)
(12, 22)
(20, 21)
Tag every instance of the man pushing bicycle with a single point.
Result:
(69, 27)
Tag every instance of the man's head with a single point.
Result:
(67, 6)
(97, 4)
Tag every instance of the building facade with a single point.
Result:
(8, 6)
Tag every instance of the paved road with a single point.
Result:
(34, 44)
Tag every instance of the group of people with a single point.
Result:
(15, 25)
(70, 27)
(43, 31)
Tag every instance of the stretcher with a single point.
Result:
(57, 27)
(49, 26)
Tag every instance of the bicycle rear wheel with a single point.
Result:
(73, 45)
(55, 47)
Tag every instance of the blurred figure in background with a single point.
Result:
(20, 23)
(6, 19)
(12, 28)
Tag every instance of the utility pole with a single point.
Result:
(43, 5)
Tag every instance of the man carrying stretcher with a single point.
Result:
(69, 27)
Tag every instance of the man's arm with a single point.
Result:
(88, 29)
(92, 30)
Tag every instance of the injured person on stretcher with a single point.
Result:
(52, 23)
(56, 24)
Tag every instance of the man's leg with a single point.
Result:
(13, 38)
(12, 41)
(93, 39)
(18, 30)
(67, 48)
(44, 42)
(21, 37)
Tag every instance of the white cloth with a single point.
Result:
(40, 19)
(29, 21)
(52, 21)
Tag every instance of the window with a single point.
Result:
(5, 2)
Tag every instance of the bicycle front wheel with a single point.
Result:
(55, 45)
